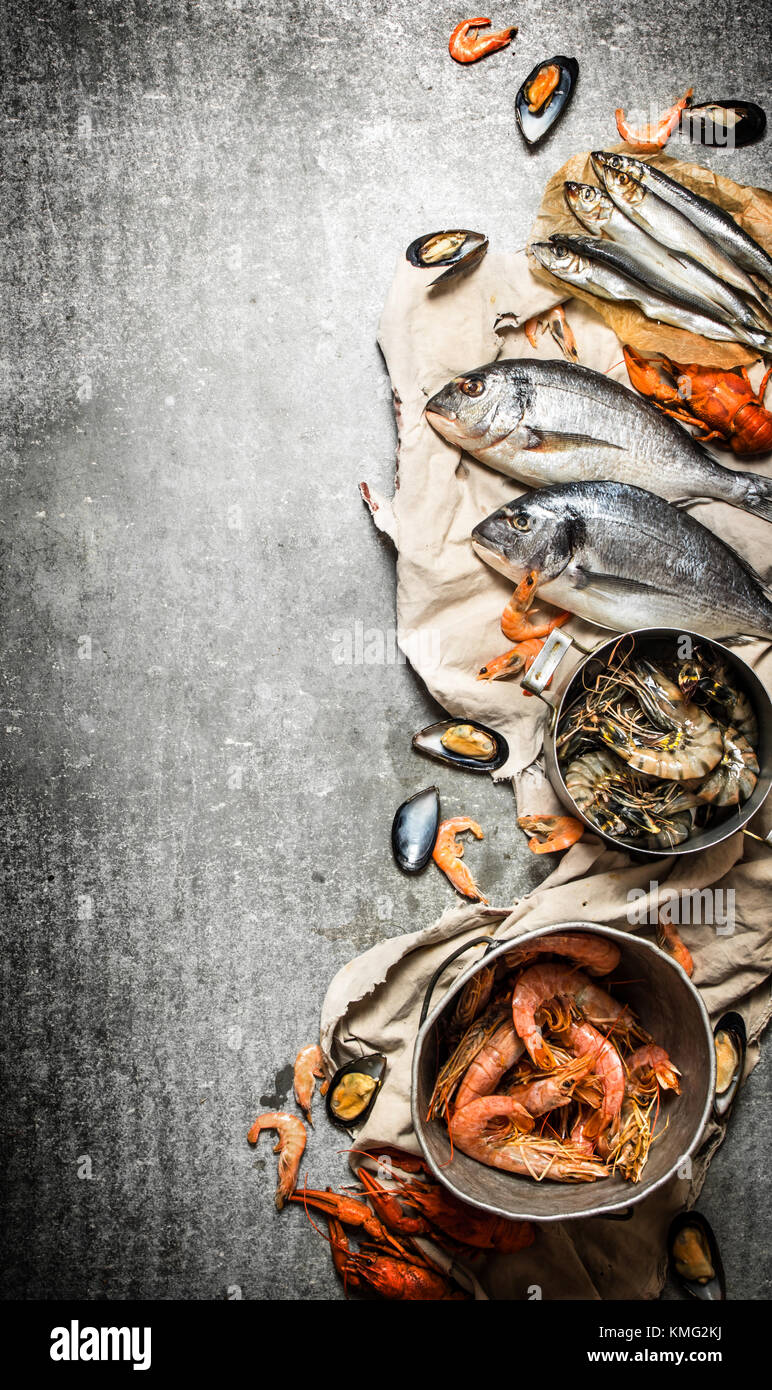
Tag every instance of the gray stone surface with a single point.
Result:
(202, 208)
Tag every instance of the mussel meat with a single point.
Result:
(724, 124)
(544, 96)
(414, 830)
(354, 1089)
(463, 743)
(459, 250)
(730, 1041)
(694, 1257)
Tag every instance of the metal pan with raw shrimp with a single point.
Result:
(458, 250)
(681, 792)
(354, 1089)
(463, 743)
(544, 96)
(653, 994)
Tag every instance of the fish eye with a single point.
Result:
(471, 385)
(519, 522)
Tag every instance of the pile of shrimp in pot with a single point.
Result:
(655, 753)
(546, 1074)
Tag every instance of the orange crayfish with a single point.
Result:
(721, 404)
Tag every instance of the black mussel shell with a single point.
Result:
(463, 743)
(731, 1040)
(459, 249)
(535, 124)
(724, 124)
(695, 1261)
(414, 830)
(354, 1089)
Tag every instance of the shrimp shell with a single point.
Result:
(485, 1072)
(474, 1131)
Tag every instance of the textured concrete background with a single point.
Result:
(202, 207)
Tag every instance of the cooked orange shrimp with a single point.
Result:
(476, 1036)
(559, 327)
(497, 1056)
(290, 1146)
(596, 954)
(449, 851)
(526, 632)
(551, 833)
(309, 1066)
(588, 1042)
(466, 45)
(669, 940)
(546, 1093)
(649, 1061)
(491, 1131)
(541, 983)
(654, 136)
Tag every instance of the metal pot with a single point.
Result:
(668, 1006)
(649, 641)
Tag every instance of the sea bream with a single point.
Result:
(548, 422)
(622, 558)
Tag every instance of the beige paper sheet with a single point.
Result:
(443, 588)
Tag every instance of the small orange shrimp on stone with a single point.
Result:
(448, 853)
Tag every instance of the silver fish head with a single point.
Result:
(622, 187)
(481, 408)
(622, 163)
(589, 204)
(559, 257)
(531, 533)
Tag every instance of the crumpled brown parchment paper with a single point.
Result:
(444, 590)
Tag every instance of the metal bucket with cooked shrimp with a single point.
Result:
(672, 794)
(551, 1181)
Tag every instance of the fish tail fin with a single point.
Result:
(754, 494)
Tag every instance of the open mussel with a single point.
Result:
(544, 96)
(694, 1257)
(414, 830)
(724, 124)
(459, 250)
(463, 743)
(730, 1039)
(354, 1089)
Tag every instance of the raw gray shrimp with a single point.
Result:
(733, 779)
(587, 782)
(712, 684)
(691, 750)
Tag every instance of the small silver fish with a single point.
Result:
(600, 216)
(581, 265)
(670, 226)
(622, 558)
(548, 422)
(719, 226)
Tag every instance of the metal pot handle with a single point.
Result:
(547, 662)
(459, 951)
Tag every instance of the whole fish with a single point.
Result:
(601, 217)
(623, 558)
(550, 422)
(672, 227)
(716, 224)
(585, 267)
